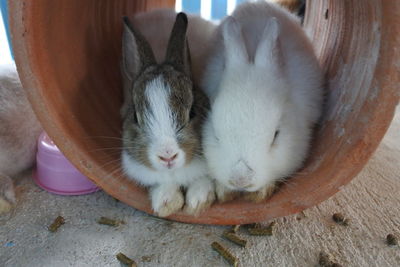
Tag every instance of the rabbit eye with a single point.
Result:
(276, 134)
(275, 137)
(135, 118)
(192, 113)
(181, 128)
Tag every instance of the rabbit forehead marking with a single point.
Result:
(160, 119)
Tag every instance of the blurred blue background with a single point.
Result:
(209, 9)
(5, 41)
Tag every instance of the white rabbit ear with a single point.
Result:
(234, 43)
(268, 52)
(136, 51)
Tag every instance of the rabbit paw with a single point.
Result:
(199, 196)
(224, 194)
(166, 200)
(261, 194)
(7, 194)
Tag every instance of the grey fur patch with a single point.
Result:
(185, 99)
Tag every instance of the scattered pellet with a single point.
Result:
(235, 228)
(340, 219)
(235, 239)
(110, 222)
(56, 224)
(225, 254)
(125, 260)
(146, 258)
(391, 240)
(252, 225)
(326, 261)
(257, 229)
(301, 215)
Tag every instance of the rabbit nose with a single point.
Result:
(168, 160)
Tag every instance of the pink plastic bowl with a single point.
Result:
(55, 174)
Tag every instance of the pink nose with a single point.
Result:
(168, 160)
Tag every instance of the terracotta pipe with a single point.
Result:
(67, 53)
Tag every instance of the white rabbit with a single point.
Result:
(164, 117)
(266, 90)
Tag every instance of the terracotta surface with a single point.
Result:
(67, 52)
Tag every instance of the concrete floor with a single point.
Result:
(371, 202)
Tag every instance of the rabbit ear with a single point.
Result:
(136, 51)
(178, 50)
(268, 51)
(234, 43)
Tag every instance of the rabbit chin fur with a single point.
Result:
(182, 176)
(262, 77)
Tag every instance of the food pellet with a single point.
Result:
(340, 219)
(325, 260)
(125, 260)
(56, 224)
(232, 260)
(258, 230)
(235, 239)
(391, 240)
(235, 228)
(110, 222)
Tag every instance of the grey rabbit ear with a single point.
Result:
(136, 51)
(178, 53)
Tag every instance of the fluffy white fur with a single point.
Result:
(165, 182)
(262, 77)
(19, 130)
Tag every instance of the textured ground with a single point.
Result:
(371, 202)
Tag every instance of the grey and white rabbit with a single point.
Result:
(163, 122)
(19, 130)
(266, 90)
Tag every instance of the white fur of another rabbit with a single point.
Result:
(19, 130)
(266, 91)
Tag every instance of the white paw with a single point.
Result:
(224, 194)
(5, 206)
(260, 195)
(7, 194)
(166, 199)
(199, 196)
